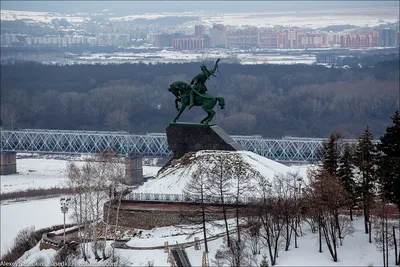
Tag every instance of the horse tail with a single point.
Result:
(221, 101)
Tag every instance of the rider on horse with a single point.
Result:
(198, 83)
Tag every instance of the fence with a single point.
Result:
(187, 198)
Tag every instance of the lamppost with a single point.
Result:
(64, 209)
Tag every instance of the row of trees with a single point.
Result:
(272, 100)
(362, 176)
(99, 180)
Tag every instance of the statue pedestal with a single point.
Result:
(187, 137)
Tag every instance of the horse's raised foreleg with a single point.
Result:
(221, 102)
(179, 113)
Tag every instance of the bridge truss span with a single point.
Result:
(154, 144)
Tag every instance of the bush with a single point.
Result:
(26, 239)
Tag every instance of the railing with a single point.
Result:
(186, 198)
(288, 149)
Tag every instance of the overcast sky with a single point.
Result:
(135, 7)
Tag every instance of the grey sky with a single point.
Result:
(132, 7)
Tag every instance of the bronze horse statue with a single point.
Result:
(194, 94)
(181, 90)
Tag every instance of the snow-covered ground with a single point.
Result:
(45, 17)
(19, 215)
(356, 251)
(45, 173)
(175, 178)
(165, 56)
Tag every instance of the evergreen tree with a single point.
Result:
(264, 262)
(389, 162)
(365, 160)
(346, 175)
(330, 153)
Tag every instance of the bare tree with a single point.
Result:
(219, 181)
(329, 196)
(198, 188)
(286, 188)
(271, 220)
(90, 184)
(9, 116)
(117, 120)
(252, 232)
(242, 174)
(385, 232)
(234, 255)
(346, 226)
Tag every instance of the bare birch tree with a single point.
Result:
(198, 188)
(91, 183)
(220, 183)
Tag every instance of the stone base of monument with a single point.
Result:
(133, 170)
(8, 163)
(190, 137)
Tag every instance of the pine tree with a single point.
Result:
(389, 162)
(331, 153)
(365, 160)
(346, 175)
(264, 262)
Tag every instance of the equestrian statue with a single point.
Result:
(195, 94)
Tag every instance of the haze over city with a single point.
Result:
(136, 7)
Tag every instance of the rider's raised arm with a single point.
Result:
(215, 68)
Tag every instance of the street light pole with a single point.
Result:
(64, 209)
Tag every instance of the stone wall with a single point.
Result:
(150, 218)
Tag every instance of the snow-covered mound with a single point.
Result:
(174, 179)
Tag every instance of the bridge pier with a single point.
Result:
(8, 163)
(134, 170)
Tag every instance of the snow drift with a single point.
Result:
(174, 178)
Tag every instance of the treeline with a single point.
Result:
(272, 100)
(354, 177)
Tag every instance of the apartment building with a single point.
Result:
(243, 38)
(199, 30)
(359, 39)
(188, 43)
(218, 36)
(387, 37)
(267, 38)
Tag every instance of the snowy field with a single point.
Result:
(45, 173)
(19, 215)
(36, 173)
(356, 251)
(165, 56)
(311, 19)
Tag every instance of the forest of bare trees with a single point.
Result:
(271, 100)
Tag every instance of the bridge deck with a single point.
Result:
(80, 142)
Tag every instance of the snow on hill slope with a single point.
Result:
(174, 179)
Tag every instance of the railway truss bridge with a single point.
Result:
(297, 150)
